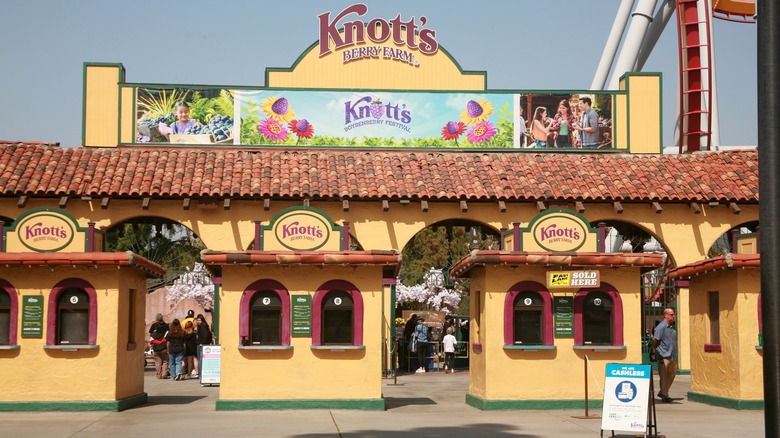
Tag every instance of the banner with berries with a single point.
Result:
(378, 119)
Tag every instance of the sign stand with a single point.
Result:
(652, 421)
(586, 416)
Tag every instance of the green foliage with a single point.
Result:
(160, 103)
(201, 108)
(250, 118)
(171, 245)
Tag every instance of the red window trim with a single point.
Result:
(617, 313)
(246, 301)
(54, 294)
(14, 317)
(357, 310)
(509, 309)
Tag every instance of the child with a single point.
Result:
(449, 343)
(183, 122)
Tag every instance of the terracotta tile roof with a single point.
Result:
(728, 261)
(580, 259)
(46, 170)
(82, 258)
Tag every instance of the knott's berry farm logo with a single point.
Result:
(45, 232)
(302, 231)
(378, 31)
(559, 233)
(367, 111)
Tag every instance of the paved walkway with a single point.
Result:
(426, 405)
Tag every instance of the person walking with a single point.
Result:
(665, 344)
(205, 337)
(449, 343)
(421, 332)
(158, 331)
(190, 347)
(175, 340)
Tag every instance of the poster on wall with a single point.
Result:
(301, 315)
(370, 119)
(32, 316)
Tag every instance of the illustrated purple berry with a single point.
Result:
(302, 125)
(452, 127)
(280, 106)
(377, 109)
(474, 109)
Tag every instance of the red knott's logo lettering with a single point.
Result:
(377, 30)
(553, 231)
(38, 230)
(295, 229)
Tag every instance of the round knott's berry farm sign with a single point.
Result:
(45, 232)
(301, 229)
(559, 231)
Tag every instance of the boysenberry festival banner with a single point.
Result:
(366, 119)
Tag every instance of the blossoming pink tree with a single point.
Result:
(431, 294)
(195, 284)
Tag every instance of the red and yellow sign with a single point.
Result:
(559, 230)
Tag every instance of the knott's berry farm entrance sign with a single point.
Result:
(556, 230)
(301, 229)
(45, 230)
(378, 30)
(350, 116)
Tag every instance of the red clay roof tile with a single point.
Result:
(49, 170)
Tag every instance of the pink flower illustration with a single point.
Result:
(482, 132)
(272, 129)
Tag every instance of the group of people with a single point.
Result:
(419, 336)
(564, 130)
(178, 348)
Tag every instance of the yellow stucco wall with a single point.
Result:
(644, 105)
(686, 236)
(499, 374)
(736, 371)
(110, 372)
(101, 104)
(300, 372)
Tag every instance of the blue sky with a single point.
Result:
(231, 43)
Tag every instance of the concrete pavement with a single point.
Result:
(424, 405)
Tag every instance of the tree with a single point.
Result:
(172, 246)
(424, 281)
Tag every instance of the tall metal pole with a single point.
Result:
(768, 36)
(640, 21)
(610, 49)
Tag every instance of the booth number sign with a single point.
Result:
(573, 279)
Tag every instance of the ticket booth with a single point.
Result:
(538, 315)
(72, 317)
(302, 312)
(725, 330)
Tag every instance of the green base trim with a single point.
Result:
(519, 405)
(724, 402)
(683, 372)
(369, 404)
(73, 406)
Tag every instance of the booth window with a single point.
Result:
(266, 322)
(337, 315)
(337, 309)
(8, 314)
(72, 315)
(528, 315)
(5, 318)
(713, 314)
(264, 315)
(598, 317)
